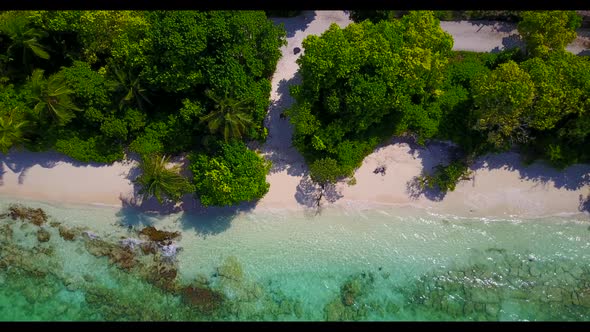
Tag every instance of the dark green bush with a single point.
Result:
(445, 178)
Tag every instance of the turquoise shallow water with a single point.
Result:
(347, 264)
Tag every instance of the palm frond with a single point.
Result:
(38, 49)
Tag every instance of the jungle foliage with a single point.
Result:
(389, 75)
(95, 85)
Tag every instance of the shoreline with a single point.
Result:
(501, 188)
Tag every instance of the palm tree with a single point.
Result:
(23, 38)
(131, 85)
(228, 117)
(158, 181)
(51, 97)
(11, 133)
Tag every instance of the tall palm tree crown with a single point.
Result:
(229, 116)
(11, 133)
(51, 97)
(131, 85)
(159, 181)
(22, 37)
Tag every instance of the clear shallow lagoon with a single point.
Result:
(345, 264)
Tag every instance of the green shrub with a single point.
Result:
(94, 149)
(234, 174)
(445, 178)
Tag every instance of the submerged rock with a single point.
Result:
(201, 298)
(123, 257)
(157, 235)
(6, 232)
(66, 233)
(148, 248)
(163, 275)
(201, 280)
(35, 216)
(130, 243)
(350, 290)
(231, 269)
(90, 235)
(334, 311)
(43, 235)
(583, 297)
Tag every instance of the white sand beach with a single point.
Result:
(501, 185)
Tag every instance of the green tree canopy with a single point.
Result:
(100, 33)
(324, 171)
(235, 174)
(11, 133)
(558, 89)
(546, 31)
(502, 99)
(366, 82)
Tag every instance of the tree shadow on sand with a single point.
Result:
(208, 221)
(510, 42)
(294, 24)
(584, 205)
(21, 161)
(430, 155)
(193, 216)
(571, 178)
(415, 190)
(137, 212)
(2, 172)
(278, 147)
(496, 26)
(311, 195)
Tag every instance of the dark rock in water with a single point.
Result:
(148, 248)
(122, 257)
(164, 276)
(35, 216)
(201, 298)
(158, 236)
(296, 50)
(66, 233)
(43, 235)
(350, 291)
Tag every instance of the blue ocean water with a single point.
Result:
(91, 263)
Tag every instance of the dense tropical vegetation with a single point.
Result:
(96, 85)
(394, 73)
